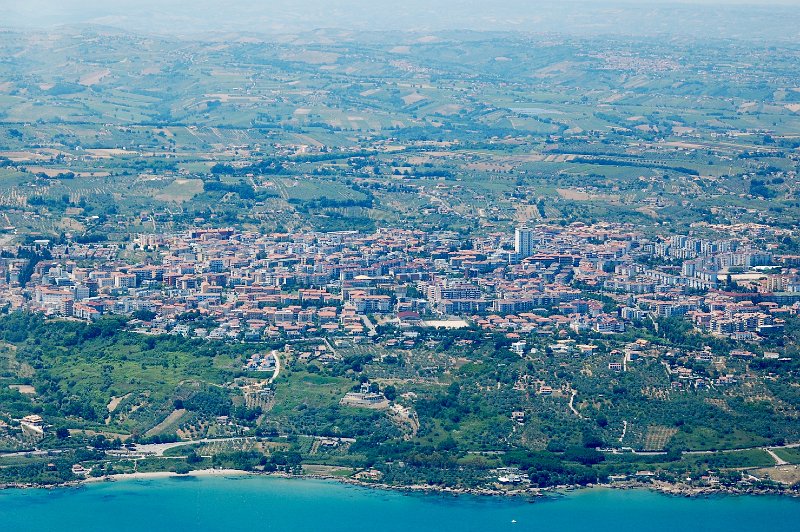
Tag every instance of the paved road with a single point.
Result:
(330, 346)
(33, 453)
(778, 460)
(370, 327)
(769, 450)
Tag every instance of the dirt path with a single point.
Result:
(277, 368)
(112, 406)
(114, 403)
(571, 404)
(173, 417)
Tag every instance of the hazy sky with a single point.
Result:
(740, 18)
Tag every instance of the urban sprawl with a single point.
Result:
(541, 279)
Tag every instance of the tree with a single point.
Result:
(62, 433)
(144, 315)
(591, 440)
(193, 458)
(390, 392)
(583, 455)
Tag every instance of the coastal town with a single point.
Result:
(469, 262)
(541, 279)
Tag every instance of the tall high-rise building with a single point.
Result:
(523, 242)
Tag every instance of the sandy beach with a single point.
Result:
(164, 474)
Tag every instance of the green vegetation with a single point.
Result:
(170, 388)
(78, 369)
(791, 455)
(539, 134)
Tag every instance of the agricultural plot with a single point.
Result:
(181, 190)
(658, 437)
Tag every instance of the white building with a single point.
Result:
(524, 242)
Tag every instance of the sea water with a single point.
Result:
(263, 503)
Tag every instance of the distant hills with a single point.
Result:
(771, 21)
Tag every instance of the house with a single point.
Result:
(519, 347)
(33, 423)
(79, 470)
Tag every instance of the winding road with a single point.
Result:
(571, 404)
(277, 368)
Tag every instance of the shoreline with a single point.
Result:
(165, 474)
(663, 488)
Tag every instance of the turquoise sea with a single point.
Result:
(259, 503)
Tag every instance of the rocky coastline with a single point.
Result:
(662, 487)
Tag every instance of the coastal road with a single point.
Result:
(33, 453)
(769, 450)
(157, 449)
